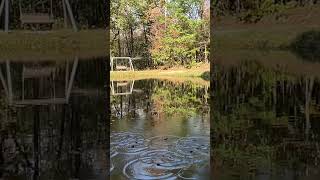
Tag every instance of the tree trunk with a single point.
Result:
(119, 43)
(131, 42)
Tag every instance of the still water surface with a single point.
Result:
(159, 130)
(265, 117)
(52, 120)
(265, 122)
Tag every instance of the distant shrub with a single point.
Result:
(206, 75)
(257, 11)
(307, 45)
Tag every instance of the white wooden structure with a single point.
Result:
(121, 64)
(38, 18)
(36, 73)
(120, 88)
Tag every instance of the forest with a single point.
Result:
(87, 14)
(251, 11)
(161, 32)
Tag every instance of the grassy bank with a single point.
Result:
(173, 73)
(53, 44)
(269, 33)
(256, 38)
(283, 61)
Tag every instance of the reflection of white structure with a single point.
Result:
(121, 63)
(37, 73)
(31, 15)
(119, 88)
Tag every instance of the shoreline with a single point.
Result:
(18, 45)
(174, 73)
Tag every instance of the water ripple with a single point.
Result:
(196, 148)
(162, 142)
(160, 157)
(156, 164)
(127, 143)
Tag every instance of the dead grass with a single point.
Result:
(177, 74)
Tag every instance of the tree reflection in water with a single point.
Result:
(160, 130)
(53, 122)
(265, 123)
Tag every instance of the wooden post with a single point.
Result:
(6, 20)
(132, 85)
(1, 7)
(20, 8)
(22, 25)
(112, 88)
(51, 9)
(65, 18)
(67, 77)
(4, 84)
(131, 65)
(9, 82)
(111, 63)
(73, 22)
(73, 72)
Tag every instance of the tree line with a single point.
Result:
(162, 32)
(254, 10)
(88, 14)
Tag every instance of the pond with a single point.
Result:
(159, 130)
(265, 117)
(52, 119)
